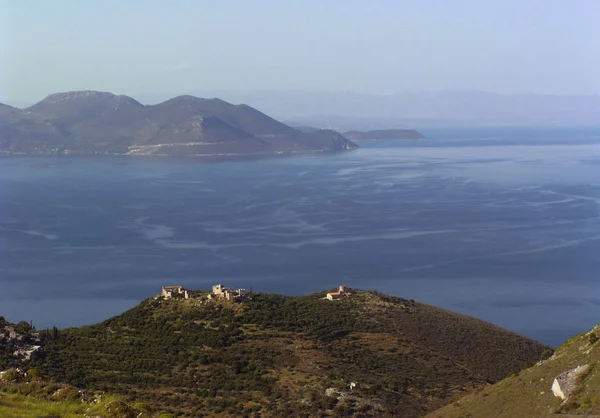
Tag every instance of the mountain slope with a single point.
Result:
(22, 132)
(26, 393)
(274, 355)
(530, 392)
(90, 122)
(241, 116)
(35, 398)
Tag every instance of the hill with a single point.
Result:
(572, 369)
(365, 354)
(379, 134)
(91, 122)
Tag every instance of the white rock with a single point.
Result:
(565, 382)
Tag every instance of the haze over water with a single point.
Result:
(501, 224)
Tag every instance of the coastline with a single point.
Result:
(222, 157)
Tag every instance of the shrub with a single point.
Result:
(142, 406)
(34, 373)
(546, 354)
(10, 376)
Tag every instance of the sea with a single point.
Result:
(498, 223)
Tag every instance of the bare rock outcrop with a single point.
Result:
(565, 383)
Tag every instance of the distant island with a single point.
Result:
(92, 122)
(380, 134)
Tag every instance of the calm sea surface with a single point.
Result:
(501, 224)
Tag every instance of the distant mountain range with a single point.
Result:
(92, 122)
(385, 134)
(449, 108)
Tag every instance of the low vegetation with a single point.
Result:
(529, 393)
(34, 397)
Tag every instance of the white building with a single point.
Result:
(221, 291)
(337, 295)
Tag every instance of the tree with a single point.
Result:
(23, 327)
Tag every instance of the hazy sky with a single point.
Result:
(506, 46)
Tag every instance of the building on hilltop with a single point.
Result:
(220, 291)
(334, 295)
(171, 292)
(338, 294)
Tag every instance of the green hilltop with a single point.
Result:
(268, 355)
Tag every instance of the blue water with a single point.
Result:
(501, 224)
